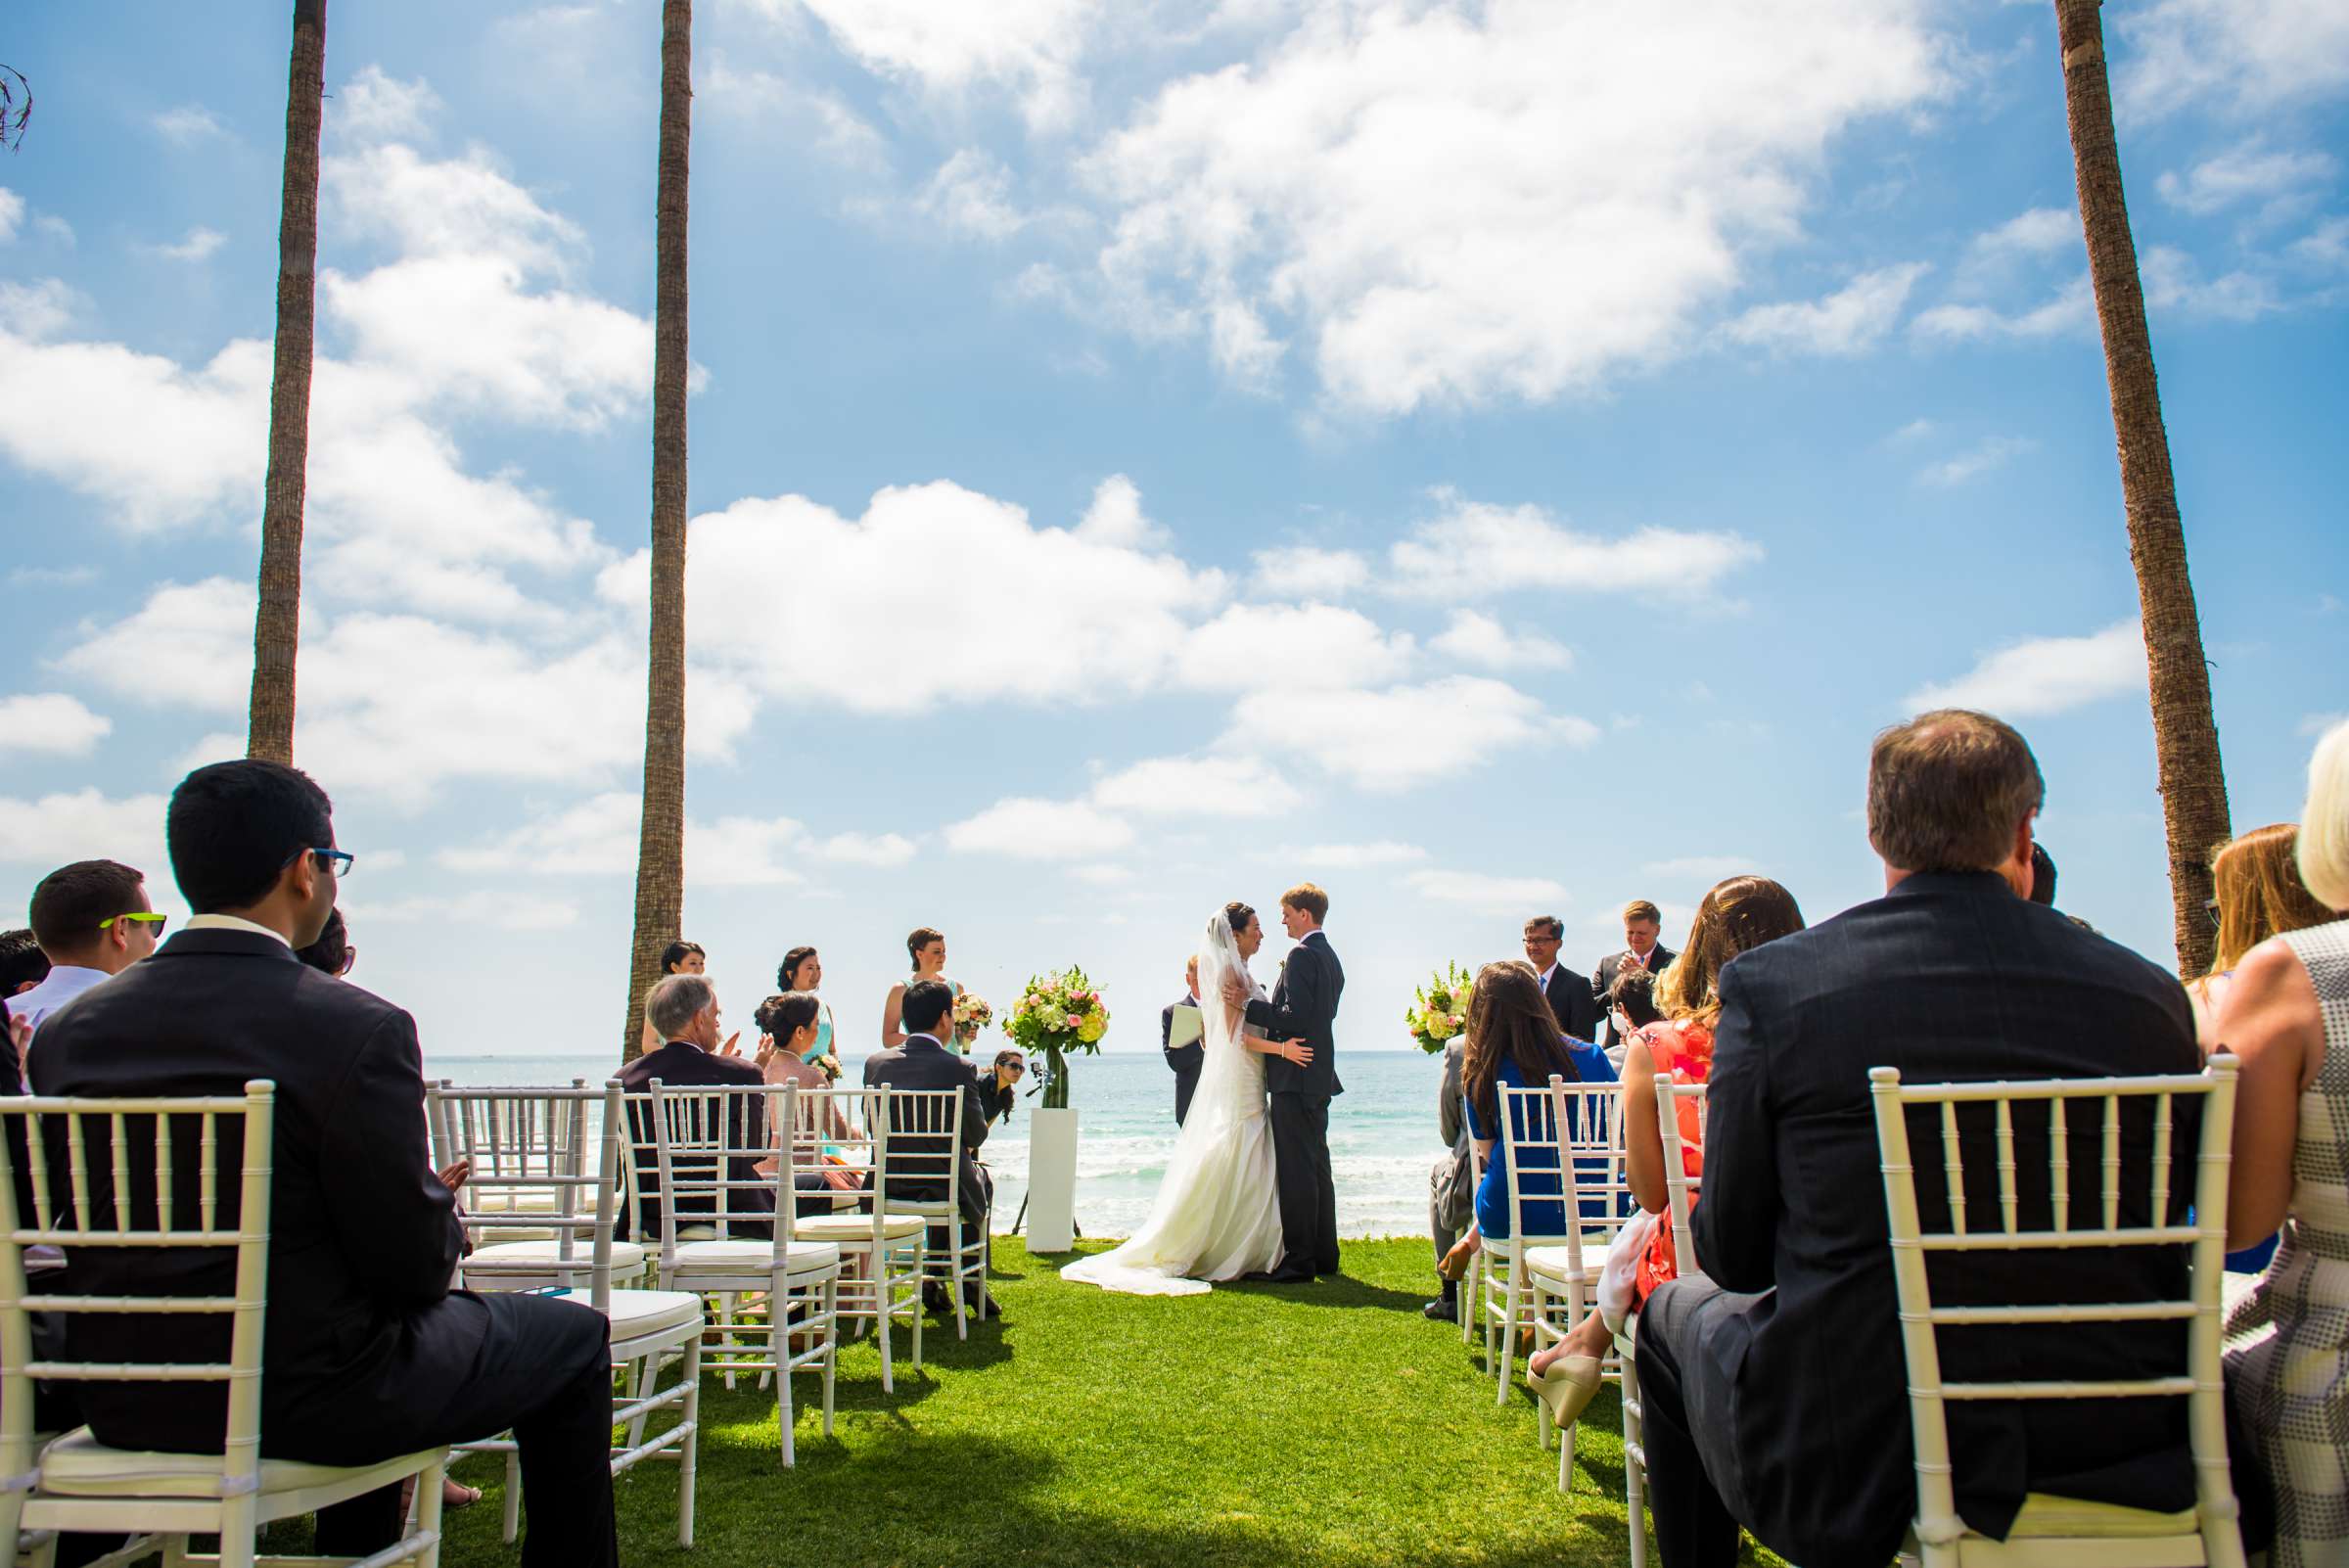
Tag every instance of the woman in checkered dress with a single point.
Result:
(2288, 1019)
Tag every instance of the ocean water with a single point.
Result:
(1382, 1132)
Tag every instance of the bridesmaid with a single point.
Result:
(928, 948)
(803, 970)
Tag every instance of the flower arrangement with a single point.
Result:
(1058, 1014)
(972, 1015)
(1440, 1008)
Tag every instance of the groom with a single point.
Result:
(1305, 1008)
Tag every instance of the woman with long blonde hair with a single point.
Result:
(2257, 893)
(1737, 916)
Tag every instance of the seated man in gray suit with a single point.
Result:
(917, 1171)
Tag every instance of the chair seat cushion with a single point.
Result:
(77, 1464)
(858, 1227)
(2045, 1514)
(757, 1255)
(1556, 1263)
(628, 1257)
(635, 1312)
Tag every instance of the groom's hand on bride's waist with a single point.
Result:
(1298, 1051)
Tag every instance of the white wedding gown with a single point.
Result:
(1217, 1215)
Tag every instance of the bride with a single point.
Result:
(1217, 1215)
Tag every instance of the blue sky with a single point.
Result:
(1487, 459)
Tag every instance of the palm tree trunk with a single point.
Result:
(277, 618)
(2186, 733)
(660, 842)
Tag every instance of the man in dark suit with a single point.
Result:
(1571, 1000)
(1301, 1082)
(1774, 1383)
(917, 1170)
(368, 1354)
(1184, 1059)
(683, 1009)
(1642, 921)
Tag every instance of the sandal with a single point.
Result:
(1567, 1388)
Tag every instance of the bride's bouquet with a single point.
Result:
(1440, 1008)
(972, 1015)
(1058, 1014)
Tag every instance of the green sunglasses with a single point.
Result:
(143, 918)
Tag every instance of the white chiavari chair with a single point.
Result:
(1682, 1189)
(529, 1207)
(1562, 1279)
(848, 1135)
(581, 1261)
(150, 1174)
(2051, 1530)
(1470, 1315)
(714, 1145)
(925, 1132)
(1533, 1126)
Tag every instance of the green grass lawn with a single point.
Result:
(1259, 1426)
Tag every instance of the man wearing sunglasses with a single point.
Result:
(93, 921)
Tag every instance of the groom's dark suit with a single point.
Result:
(1305, 1006)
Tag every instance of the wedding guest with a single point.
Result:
(1642, 922)
(22, 964)
(369, 1352)
(1773, 1384)
(924, 1061)
(1737, 916)
(791, 1050)
(682, 1010)
(1000, 1082)
(2286, 1020)
(803, 970)
(1571, 1000)
(1450, 1183)
(927, 947)
(93, 921)
(1515, 1041)
(1186, 1060)
(1631, 1007)
(332, 953)
(678, 958)
(2258, 893)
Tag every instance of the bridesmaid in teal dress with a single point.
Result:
(927, 947)
(803, 970)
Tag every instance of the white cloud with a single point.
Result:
(2250, 57)
(1915, 430)
(1989, 453)
(12, 213)
(2174, 282)
(878, 850)
(937, 594)
(1477, 638)
(495, 908)
(37, 310)
(1116, 517)
(971, 194)
(798, 115)
(1705, 868)
(599, 836)
(1198, 786)
(1325, 858)
(2072, 308)
(1849, 321)
(188, 124)
(1304, 572)
(1475, 549)
(2322, 723)
(1029, 829)
(85, 826)
(1103, 875)
(2036, 232)
(197, 246)
(1305, 644)
(2326, 246)
(55, 228)
(2045, 675)
(2247, 173)
(1457, 205)
(1488, 895)
(72, 576)
(373, 107)
(1403, 736)
(51, 723)
(1030, 47)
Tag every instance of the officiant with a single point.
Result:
(1185, 1058)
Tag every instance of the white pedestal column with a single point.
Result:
(1052, 1179)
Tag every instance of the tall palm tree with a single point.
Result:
(277, 618)
(661, 841)
(2186, 732)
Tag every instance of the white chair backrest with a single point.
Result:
(1681, 1186)
(1539, 1125)
(2046, 1113)
(925, 1148)
(842, 1133)
(533, 1142)
(140, 1174)
(709, 1142)
(1599, 1178)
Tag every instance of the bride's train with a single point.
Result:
(1217, 1215)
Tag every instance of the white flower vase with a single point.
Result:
(1052, 1179)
